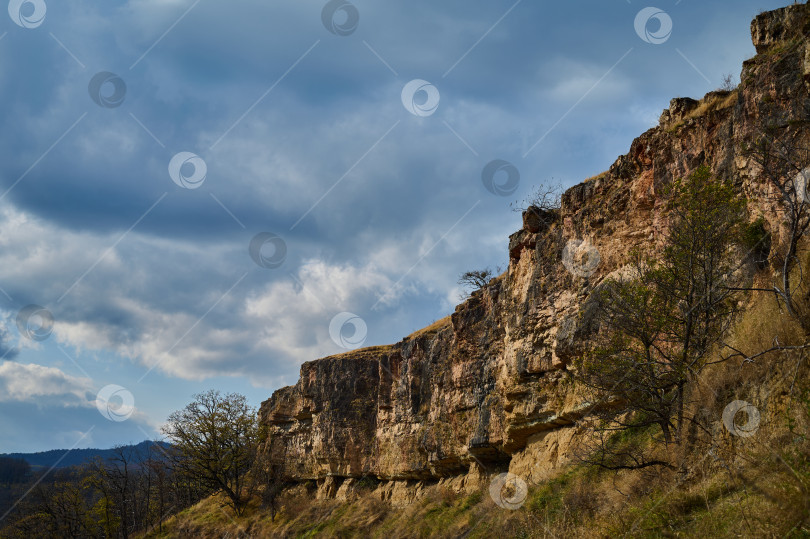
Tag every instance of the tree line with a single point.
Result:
(214, 449)
(136, 489)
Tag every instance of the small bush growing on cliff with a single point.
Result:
(269, 477)
(475, 279)
(757, 240)
(545, 197)
(729, 85)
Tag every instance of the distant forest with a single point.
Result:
(93, 492)
(62, 458)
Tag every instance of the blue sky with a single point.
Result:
(355, 198)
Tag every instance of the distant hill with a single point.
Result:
(63, 458)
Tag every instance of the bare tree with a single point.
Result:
(783, 158)
(728, 83)
(475, 279)
(216, 437)
(541, 212)
(160, 472)
(544, 197)
(270, 478)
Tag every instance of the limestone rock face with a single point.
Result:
(489, 388)
(678, 109)
(781, 25)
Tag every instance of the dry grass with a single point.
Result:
(733, 486)
(746, 487)
(371, 352)
(375, 352)
(761, 498)
(432, 329)
(706, 106)
(596, 177)
(713, 103)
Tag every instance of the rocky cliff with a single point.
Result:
(488, 388)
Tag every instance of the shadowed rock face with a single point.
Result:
(489, 387)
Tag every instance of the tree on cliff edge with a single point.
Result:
(215, 439)
(659, 324)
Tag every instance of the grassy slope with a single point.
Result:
(749, 487)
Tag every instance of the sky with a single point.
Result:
(202, 194)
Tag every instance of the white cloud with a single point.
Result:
(139, 303)
(31, 382)
(279, 325)
(572, 79)
(45, 408)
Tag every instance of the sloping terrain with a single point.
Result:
(405, 440)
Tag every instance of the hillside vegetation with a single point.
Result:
(757, 486)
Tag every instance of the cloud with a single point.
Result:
(35, 383)
(267, 333)
(162, 309)
(380, 210)
(574, 78)
(45, 408)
